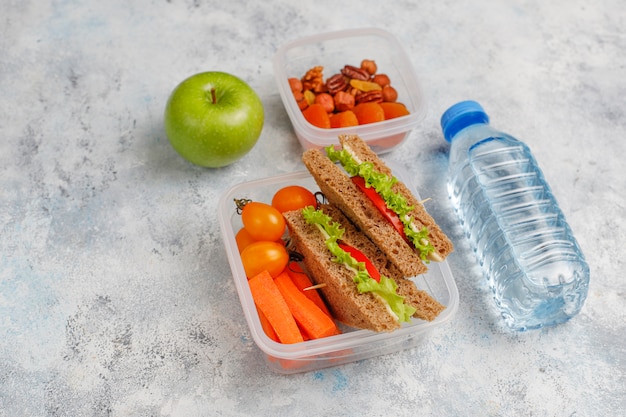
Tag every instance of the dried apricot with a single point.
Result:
(317, 116)
(343, 119)
(369, 113)
(365, 85)
(309, 96)
(393, 110)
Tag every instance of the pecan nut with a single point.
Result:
(375, 96)
(356, 73)
(336, 83)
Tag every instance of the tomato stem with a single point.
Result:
(240, 203)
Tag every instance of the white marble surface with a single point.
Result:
(115, 295)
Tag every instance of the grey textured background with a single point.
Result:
(116, 298)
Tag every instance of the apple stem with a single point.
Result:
(213, 98)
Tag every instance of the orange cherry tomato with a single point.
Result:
(262, 221)
(293, 197)
(260, 256)
(243, 239)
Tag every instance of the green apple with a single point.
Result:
(212, 119)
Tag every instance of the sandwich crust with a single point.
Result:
(339, 189)
(364, 311)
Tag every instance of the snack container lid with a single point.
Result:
(352, 344)
(333, 51)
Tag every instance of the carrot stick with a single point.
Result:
(269, 300)
(309, 316)
(305, 335)
(302, 281)
(267, 326)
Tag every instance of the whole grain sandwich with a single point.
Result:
(354, 275)
(363, 187)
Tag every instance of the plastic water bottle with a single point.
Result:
(533, 263)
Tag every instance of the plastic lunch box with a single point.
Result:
(349, 47)
(352, 344)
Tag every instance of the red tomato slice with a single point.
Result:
(360, 257)
(380, 204)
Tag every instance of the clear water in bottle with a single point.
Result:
(531, 259)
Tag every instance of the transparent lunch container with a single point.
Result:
(352, 344)
(333, 51)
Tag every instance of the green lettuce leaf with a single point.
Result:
(386, 289)
(383, 184)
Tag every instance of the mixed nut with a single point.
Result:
(343, 92)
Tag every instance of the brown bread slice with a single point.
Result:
(335, 184)
(443, 245)
(347, 305)
(340, 191)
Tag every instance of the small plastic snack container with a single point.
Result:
(352, 344)
(333, 51)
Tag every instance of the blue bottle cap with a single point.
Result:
(461, 115)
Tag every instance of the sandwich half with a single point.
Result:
(363, 187)
(354, 273)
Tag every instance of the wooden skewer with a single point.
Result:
(314, 287)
